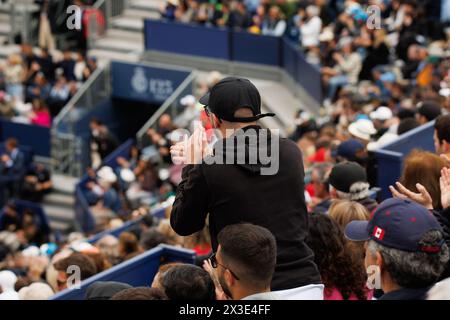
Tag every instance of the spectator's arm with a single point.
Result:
(347, 65)
(311, 28)
(279, 29)
(190, 208)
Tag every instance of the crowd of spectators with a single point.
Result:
(35, 86)
(19, 177)
(379, 84)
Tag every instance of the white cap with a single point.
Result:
(445, 92)
(362, 129)
(36, 291)
(188, 100)
(127, 175)
(7, 280)
(382, 113)
(82, 246)
(31, 251)
(107, 174)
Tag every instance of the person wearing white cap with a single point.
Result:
(7, 281)
(36, 291)
(363, 129)
(387, 130)
(190, 112)
(310, 27)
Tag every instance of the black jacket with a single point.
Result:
(406, 294)
(443, 216)
(239, 193)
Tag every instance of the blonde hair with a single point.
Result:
(14, 59)
(345, 211)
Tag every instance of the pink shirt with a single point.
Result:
(42, 118)
(335, 294)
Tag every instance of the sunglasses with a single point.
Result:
(215, 264)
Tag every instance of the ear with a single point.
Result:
(446, 146)
(379, 260)
(229, 278)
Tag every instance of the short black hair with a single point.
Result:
(406, 125)
(442, 126)
(86, 264)
(140, 293)
(430, 110)
(250, 251)
(188, 283)
(152, 238)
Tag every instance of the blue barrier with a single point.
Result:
(21, 205)
(247, 47)
(145, 83)
(187, 39)
(138, 271)
(390, 157)
(160, 213)
(37, 137)
(237, 46)
(83, 213)
(290, 57)
(308, 77)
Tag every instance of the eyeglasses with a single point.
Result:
(215, 264)
(207, 111)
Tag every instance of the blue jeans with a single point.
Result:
(15, 90)
(334, 84)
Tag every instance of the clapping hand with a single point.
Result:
(423, 197)
(191, 150)
(444, 183)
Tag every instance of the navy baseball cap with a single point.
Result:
(398, 224)
(348, 149)
(231, 94)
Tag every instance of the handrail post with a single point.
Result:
(108, 12)
(12, 19)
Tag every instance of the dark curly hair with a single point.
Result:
(338, 267)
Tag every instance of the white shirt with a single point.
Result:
(310, 32)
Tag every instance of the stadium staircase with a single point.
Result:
(59, 204)
(124, 38)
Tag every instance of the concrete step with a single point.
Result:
(64, 184)
(119, 45)
(272, 122)
(4, 17)
(62, 227)
(59, 214)
(125, 34)
(128, 23)
(148, 5)
(279, 100)
(104, 55)
(59, 199)
(5, 28)
(141, 14)
(7, 50)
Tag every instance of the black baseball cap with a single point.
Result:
(398, 224)
(344, 175)
(231, 94)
